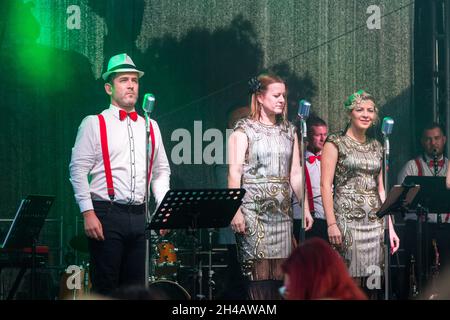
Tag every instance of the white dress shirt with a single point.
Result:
(314, 174)
(126, 143)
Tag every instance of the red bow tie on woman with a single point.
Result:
(311, 159)
(123, 114)
(440, 163)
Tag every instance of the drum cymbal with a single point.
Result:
(79, 243)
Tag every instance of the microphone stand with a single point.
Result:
(302, 164)
(147, 214)
(386, 225)
(211, 282)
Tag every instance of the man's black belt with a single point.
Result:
(130, 208)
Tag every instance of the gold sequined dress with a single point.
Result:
(266, 205)
(356, 201)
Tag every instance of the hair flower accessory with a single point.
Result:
(354, 99)
(254, 85)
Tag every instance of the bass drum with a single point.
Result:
(166, 265)
(169, 290)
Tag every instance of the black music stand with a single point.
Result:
(25, 229)
(399, 199)
(432, 193)
(196, 209)
(432, 198)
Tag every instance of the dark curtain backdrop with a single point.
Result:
(198, 56)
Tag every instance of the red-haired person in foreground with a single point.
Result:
(314, 270)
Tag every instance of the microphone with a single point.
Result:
(303, 113)
(303, 109)
(386, 127)
(149, 103)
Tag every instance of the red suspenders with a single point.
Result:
(309, 189)
(419, 167)
(105, 154)
(152, 139)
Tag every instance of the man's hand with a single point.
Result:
(92, 226)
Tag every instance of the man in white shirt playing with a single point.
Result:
(110, 149)
(431, 162)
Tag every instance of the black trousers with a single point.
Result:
(319, 229)
(119, 260)
(236, 284)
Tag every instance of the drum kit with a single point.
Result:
(179, 261)
(177, 267)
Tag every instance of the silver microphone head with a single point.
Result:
(303, 109)
(149, 103)
(386, 127)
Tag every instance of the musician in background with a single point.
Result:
(447, 181)
(317, 131)
(431, 162)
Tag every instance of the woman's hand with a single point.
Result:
(394, 240)
(334, 234)
(309, 220)
(238, 222)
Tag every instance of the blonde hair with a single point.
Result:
(259, 87)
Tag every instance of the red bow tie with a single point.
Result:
(311, 159)
(123, 114)
(440, 163)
